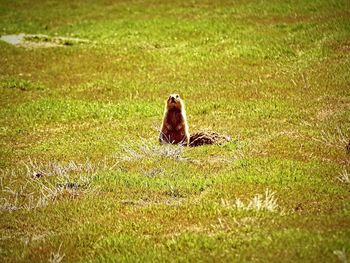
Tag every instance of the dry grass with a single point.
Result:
(39, 184)
(57, 257)
(267, 202)
(55, 168)
(344, 177)
(341, 255)
(146, 150)
(337, 138)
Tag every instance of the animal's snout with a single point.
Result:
(172, 99)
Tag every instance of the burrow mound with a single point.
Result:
(207, 137)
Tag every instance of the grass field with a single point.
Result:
(83, 178)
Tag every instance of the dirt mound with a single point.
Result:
(207, 137)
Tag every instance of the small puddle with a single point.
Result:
(40, 41)
(13, 39)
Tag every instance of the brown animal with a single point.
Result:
(174, 128)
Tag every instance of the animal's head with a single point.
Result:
(174, 101)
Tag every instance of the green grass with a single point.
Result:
(272, 74)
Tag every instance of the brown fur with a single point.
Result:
(174, 128)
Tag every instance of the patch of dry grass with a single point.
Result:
(266, 202)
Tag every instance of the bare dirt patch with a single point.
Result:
(31, 41)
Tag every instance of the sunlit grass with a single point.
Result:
(83, 177)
